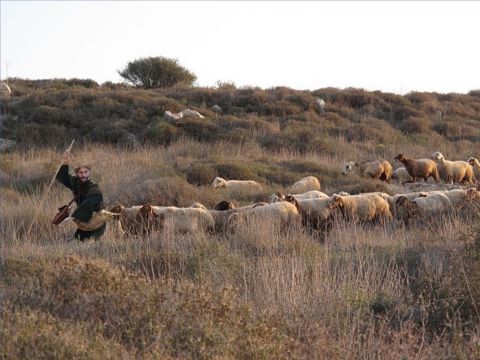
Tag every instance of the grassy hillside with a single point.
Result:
(377, 292)
(50, 112)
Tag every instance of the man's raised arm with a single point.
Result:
(63, 176)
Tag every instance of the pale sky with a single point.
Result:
(388, 46)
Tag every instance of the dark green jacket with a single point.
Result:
(88, 196)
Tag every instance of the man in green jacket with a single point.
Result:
(88, 196)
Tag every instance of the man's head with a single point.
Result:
(83, 172)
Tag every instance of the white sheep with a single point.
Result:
(401, 175)
(454, 171)
(306, 184)
(236, 185)
(459, 198)
(98, 219)
(282, 214)
(366, 207)
(316, 213)
(183, 220)
(409, 196)
(198, 205)
(178, 116)
(314, 194)
(373, 169)
(431, 206)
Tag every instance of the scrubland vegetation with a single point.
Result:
(362, 291)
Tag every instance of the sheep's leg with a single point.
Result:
(409, 181)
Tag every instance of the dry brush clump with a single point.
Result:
(191, 321)
(48, 111)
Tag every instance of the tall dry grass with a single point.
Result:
(362, 291)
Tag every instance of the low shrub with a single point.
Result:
(200, 174)
(234, 171)
(421, 125)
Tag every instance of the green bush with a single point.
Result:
(161, 134)
(234, 171)
(200, 175)
(156, 72)
(200, 129)
(419, 125)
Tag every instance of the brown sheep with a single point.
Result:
(420, 168)
(224, 205)
(374, 169)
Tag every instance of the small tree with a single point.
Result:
(156, 72)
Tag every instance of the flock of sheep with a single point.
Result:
(307, 206)
(463, 172)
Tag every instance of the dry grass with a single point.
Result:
(377, 292)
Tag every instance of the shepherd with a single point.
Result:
(87, 196)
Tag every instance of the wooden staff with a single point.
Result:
(46, 192)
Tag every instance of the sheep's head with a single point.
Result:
(218, 182)
(278, 196)
(406, 209)
(401, 201)
(472, 161)
(437, 156)
(258, 204)
(343, 193)
(146, 211)
(108, 215)
(289, 198)
(224, 205)
(473, 193)
(336, 202)
(348, 167)
(118, 209)
(197, 205)
(234, 221)
(399, 157)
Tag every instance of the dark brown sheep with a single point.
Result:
(419, 168)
